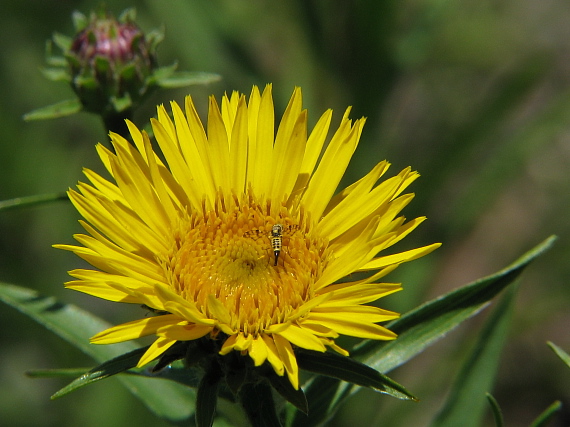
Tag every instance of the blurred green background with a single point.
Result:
(473, 94)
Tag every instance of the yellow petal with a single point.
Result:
(258, 351)
(229, 345)
(313, 150)
(273, 355)
(332, 166)
(287, 356)
(352, 328)
(183, 332)
(101, 290)
(350, 293)
(400, 257)
(302, 338)
(239, 147)
(356, 313)
(219, 147)
(159, 346)
(262, 157)
(135, 329)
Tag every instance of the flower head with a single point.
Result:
(111, 61)
(238, 234)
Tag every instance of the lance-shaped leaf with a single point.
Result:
(544, 419)
(418, 329)
(466, 404)
(349, 370)
(186, 78)
(56, 373)
(431, 321)
(166, 399)
(207, 397)
(497, 413)
(28, 201)
(337, 367)
(282, 385)
(54, 111)
(565, 357)
(114, 366)
(257, 401)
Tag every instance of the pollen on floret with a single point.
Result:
(227, 253)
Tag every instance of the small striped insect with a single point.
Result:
(275, 237)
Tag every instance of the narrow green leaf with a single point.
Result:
(497, 413)
(565, 357)
(257, 401)
(207, 397)
(320, 397)
(122, 104)
(166, 399)
(56, 74)
(282, 385)
(58, 62)
(62, 41)
(465, 405)
(54, 111)
(190, 377)
(128, 15)
(186, 78)
(164, 72)
(418, 329)
(349, 370)
(80, 21)
(423, 326)
(154, 38)
(56, 373)
(114, 366)
(27, 201)
(543, 419)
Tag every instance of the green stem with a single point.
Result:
(27, 201)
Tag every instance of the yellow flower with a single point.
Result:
(236, 233)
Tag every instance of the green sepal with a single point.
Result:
(61, 41)
(60, 109)
(112, 367)
(102, 65)
(235, 379)
(320, 397)
(128, 15)
(80, 21)
(207, 396)
(189, 377)
(56, 74)
(349, 370)
(565, 357)
(543, 419)
(162, 73)
(496, 410)
(257, 401)
(54, 60)
(282, 385)
(185, 78)
(154, 38)
(121, 104)
(128, 72)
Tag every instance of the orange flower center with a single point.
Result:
(260, 264)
